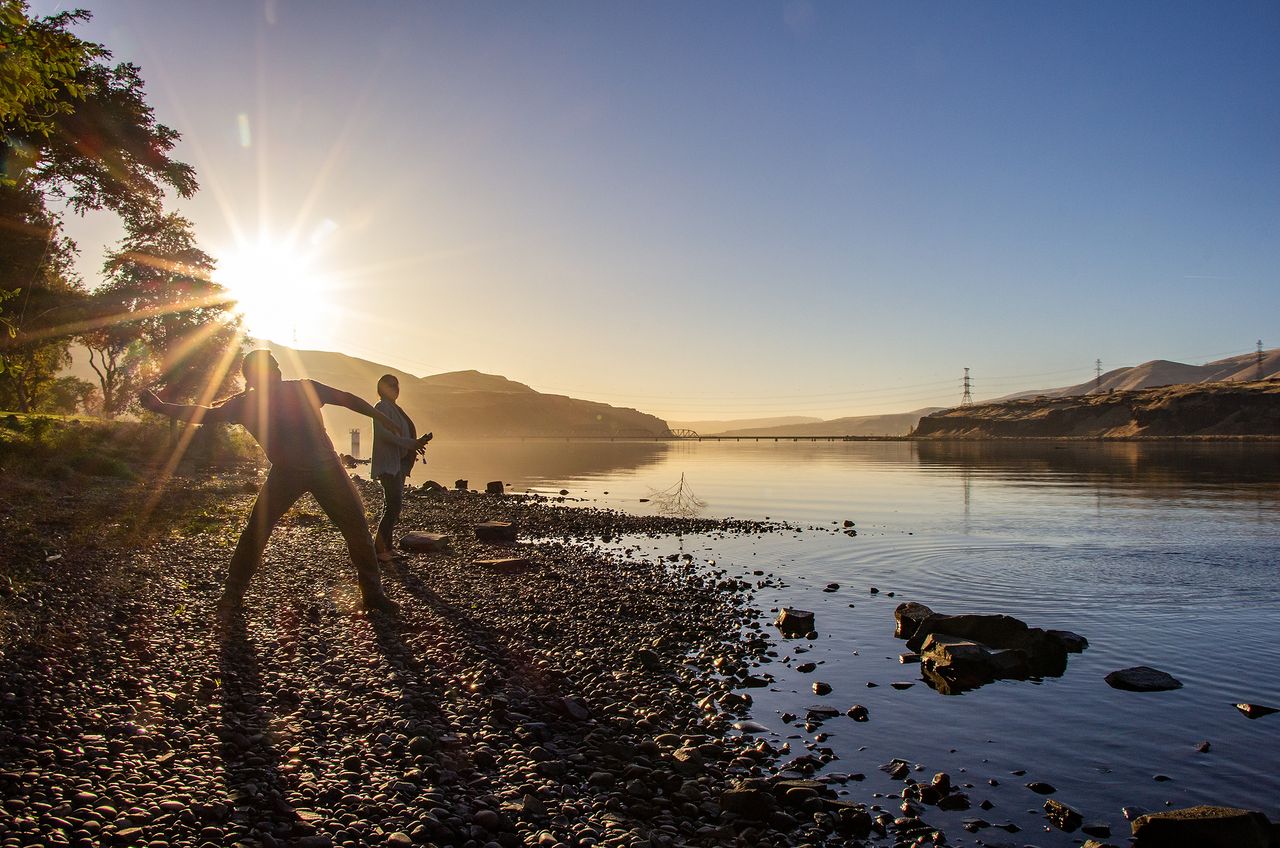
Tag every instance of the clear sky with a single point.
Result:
(728, 209)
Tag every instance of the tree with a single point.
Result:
(159, 282)
(76, 129)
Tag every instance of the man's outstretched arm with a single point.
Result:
(337, 397)
(194, 413)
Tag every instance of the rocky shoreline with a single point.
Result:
(584, 701)
(595, 695)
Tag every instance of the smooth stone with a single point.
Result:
(1142, 678)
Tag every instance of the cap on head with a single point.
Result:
(259, 366)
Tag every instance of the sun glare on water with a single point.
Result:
(280, 294)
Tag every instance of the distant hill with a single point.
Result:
(893, 424)
(1187, 410)
(1162, 372)
(711, 428)
(460, 404)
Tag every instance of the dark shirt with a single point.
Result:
(285, 419)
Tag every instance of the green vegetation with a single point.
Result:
(61, 447)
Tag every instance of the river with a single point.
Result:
(1160, 554)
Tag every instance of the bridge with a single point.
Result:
(682, 435)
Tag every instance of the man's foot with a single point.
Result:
(229, 605)
(378, 602)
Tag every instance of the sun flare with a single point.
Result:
(280, 293)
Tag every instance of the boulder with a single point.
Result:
(500, 532)
(952, 664)
(1142, 678)
(1203, 827)
(494, 487)
(460, 485)
(908, 617)
(424, 543)
(1074, 643)
(794, 622)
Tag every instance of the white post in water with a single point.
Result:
(355, 442)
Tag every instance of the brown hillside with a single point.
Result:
(1196, 410)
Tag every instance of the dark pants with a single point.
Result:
(392, 500)
(337, 496)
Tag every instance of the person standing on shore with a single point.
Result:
(394, 454)
(284, 416)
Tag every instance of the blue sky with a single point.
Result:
(736, 209)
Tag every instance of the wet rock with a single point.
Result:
(460, 485)
(1041, 788)
(1074, 643)
(794, 622)
(821, 712)
(494, 487)
(908, 617)
(821, 688)
(1204, 827)
(1256, 710)
(858, 713)
(1062, 817)
(1142, 678)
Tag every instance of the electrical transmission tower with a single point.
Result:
(1097, 373)
(967, 398)
(1258, 358)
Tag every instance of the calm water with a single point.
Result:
(1161, 555)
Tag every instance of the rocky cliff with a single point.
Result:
(1196, 410)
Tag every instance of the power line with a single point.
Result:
(967, 398)
(1097, 373)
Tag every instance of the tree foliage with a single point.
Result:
(77, 130)
(160, 282)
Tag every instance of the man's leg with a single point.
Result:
(277, 494)
(338, 497)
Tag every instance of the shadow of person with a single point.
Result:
(256, 789)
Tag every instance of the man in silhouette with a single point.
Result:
(284, 416)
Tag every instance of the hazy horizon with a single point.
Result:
(728, 212)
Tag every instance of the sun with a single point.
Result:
(281, 295)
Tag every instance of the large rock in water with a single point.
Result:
(794, 622)
(908, 617)
(1142, 678)
(961, 652)
(1203, 827)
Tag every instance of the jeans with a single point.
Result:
(392, 501)
(337, 496)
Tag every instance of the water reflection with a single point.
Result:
(535, 462)
(1120, 464)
